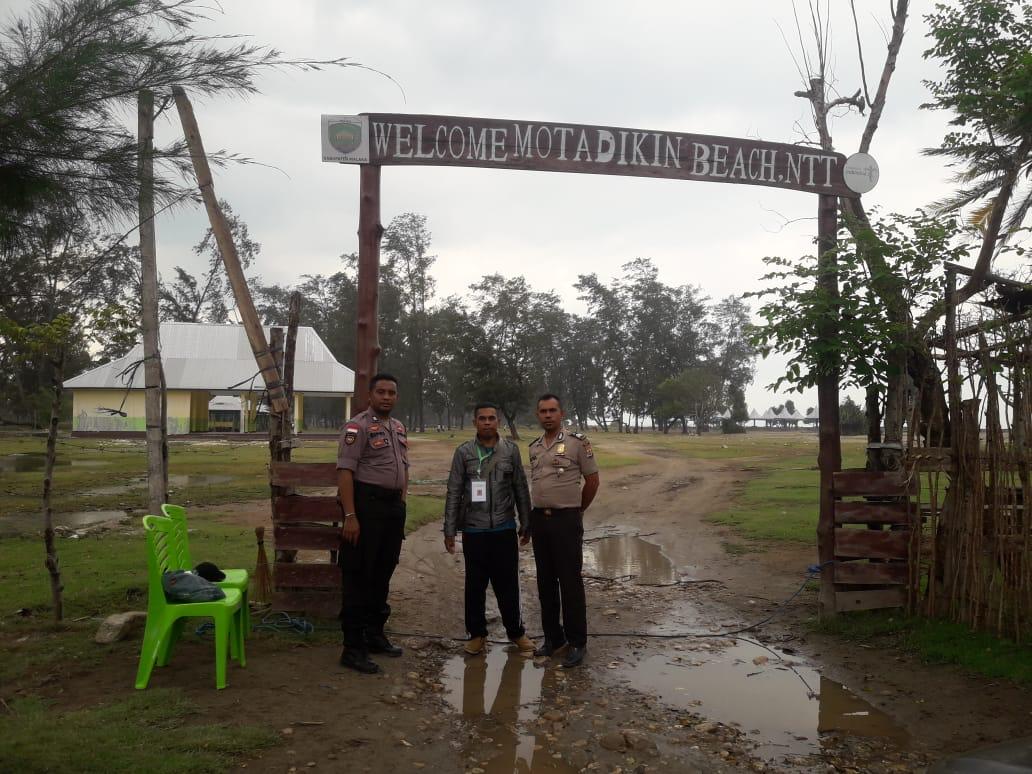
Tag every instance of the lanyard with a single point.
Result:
(481, 458)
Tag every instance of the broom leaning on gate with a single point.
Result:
(262, 594)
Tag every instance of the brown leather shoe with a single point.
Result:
(474, 646)
(524, 644)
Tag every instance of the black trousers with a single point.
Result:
(558, 555)
(492, 557)
(366, 568)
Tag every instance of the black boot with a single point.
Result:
(358, 659)
(574, 656)
(378, 643)
(549, 648)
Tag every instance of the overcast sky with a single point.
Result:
(707, 68)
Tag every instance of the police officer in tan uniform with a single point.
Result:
(558, 462)
(372, 467)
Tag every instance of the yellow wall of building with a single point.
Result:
(199, 400)
(88, 414)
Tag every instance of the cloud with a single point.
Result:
(710, 68)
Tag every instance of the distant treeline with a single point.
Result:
(645, 350)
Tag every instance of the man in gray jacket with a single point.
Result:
(487, 490)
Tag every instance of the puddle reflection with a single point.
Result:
(622, 556)
(783, 710)
(176, 481)
(842, 710)
(501, 693)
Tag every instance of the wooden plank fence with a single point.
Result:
(307, 522)
(875, 524)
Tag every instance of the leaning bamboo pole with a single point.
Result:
(234, 271)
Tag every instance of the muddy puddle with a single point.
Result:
(783, 706)
(31, 462)
(499, 694)
(629, 557)
(176, 481)
(31, 524)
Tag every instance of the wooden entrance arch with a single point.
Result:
(375, 140)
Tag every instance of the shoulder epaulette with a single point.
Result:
(579, 436)
(535, 440)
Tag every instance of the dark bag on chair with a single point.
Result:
(184, 586)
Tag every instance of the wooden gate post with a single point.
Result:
(370, 231)
(154, 380)
(829, 456)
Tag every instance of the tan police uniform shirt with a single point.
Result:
(556, 470)
(375, 449)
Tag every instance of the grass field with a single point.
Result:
(111, 475)
(106, 574)
(935, 642)
(106, 475)
(157, 731)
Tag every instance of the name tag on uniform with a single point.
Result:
(479, 493)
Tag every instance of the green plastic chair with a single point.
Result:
(235, 579)
(165, 619)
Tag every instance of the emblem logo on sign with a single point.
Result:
(345, 136)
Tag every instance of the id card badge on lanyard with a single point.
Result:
(478, 486)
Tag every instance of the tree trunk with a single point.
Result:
(52, 564)
(420, 380)
(872, 409)
(154, 402)
(510, 421)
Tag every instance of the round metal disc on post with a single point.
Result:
(860, 172)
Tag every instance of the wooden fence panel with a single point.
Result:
(313, 537)
(869, 600)
(305, 522)
(302, 508)
(871, 513)
(871, 573)
(859, 483)
(303, 474)
(309, 575)
(871, 544)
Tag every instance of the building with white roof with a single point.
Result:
(202, 362)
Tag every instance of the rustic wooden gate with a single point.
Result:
(306, 529)
(876, 523)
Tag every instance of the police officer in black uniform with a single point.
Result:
(372, 467)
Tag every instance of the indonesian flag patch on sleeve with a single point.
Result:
(351, 433)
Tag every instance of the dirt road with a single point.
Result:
(663, 689)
